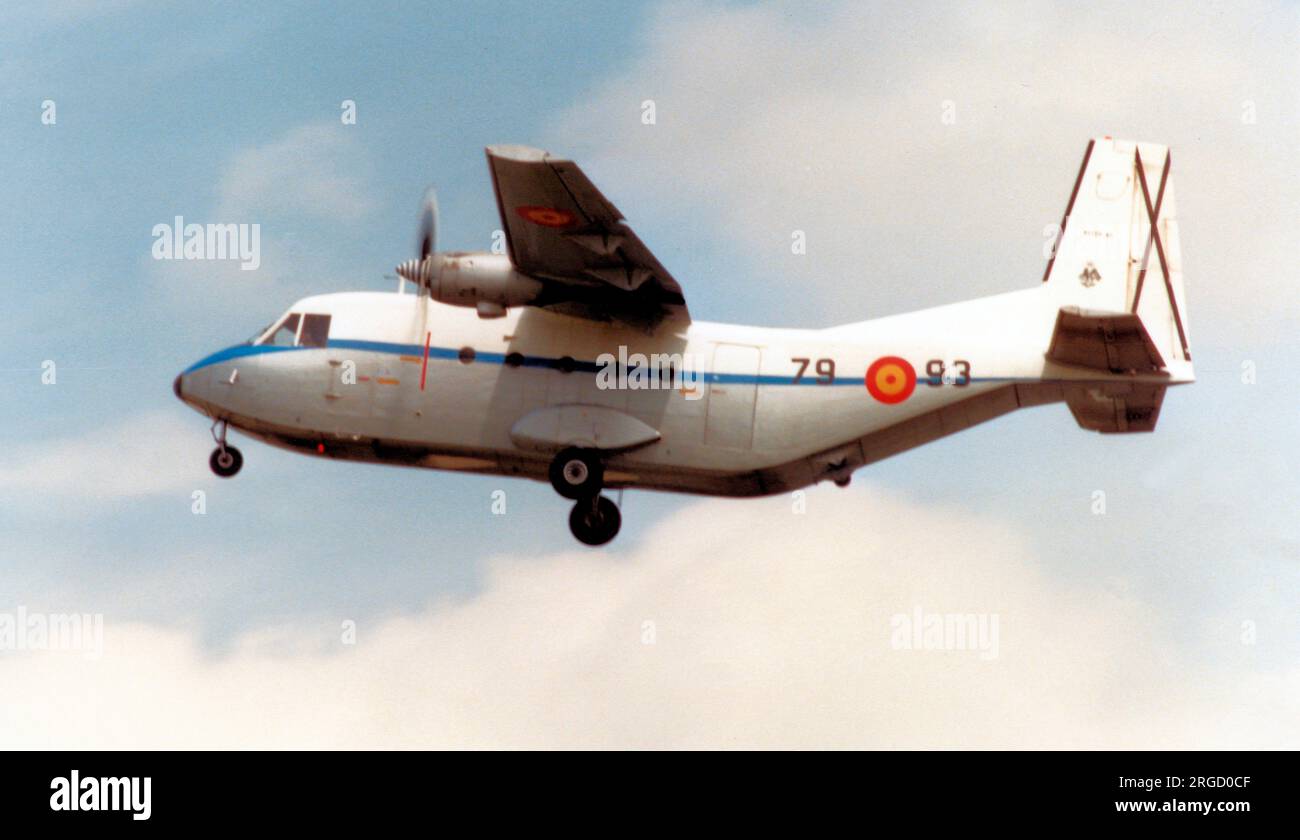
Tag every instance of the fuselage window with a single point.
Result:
(315, 331)
(286, 333)
(466, 355)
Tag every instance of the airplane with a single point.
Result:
(572, 358)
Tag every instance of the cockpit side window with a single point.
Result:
(286, 333)
(315, 331)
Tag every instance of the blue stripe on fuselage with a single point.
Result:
(450, 353)
(237, 352)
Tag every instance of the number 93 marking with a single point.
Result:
(937, 373)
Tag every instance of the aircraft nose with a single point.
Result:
(176, 387)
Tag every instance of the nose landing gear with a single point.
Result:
(579, 474)
(225, 460)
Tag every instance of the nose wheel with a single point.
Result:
(225, 460)
(595, 521)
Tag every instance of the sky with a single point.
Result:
(1169, 620)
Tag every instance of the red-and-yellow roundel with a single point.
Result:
(891, 379)
(547, 216)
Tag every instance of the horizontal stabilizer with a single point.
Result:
(1109, 341)
(1122, 407)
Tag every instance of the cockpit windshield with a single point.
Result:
(315, 331)
(285, 334)
(296, 330)
(255, 337)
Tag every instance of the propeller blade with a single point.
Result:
(428, 223)
(420, 270)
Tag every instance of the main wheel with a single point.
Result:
(595, 521)
(226, 462)
(577, 474)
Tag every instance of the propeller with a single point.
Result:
(420, 270)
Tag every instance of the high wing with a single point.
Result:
(561, 230)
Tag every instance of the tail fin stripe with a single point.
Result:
(1153, 234)
(1074, 193)
(1160, 250)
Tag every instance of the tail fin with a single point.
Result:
(1117, 250)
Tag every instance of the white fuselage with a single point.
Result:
(751, 424)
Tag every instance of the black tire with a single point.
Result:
(577, 474)
(595, 521)
(226, 462)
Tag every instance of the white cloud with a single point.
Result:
(768, 630)
(772, 118)
(307, 190)
(143, 455)
(317, 170)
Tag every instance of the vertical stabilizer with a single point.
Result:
(1118, 250)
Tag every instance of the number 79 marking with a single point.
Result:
(825, 369)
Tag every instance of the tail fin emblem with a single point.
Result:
(1090, 276)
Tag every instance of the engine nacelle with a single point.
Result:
(488, 282)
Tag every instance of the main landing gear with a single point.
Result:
(225, 460)
(595, 521)
(579, 474)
